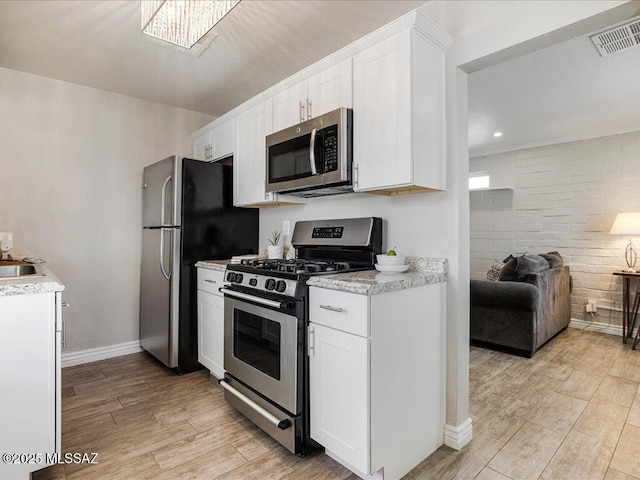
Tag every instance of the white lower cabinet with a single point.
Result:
(211, 321)
(30, 350)
(377, 377)
(339, 382)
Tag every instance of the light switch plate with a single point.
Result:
(286, 228)
(6, 241)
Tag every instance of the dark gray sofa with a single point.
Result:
(521, 316)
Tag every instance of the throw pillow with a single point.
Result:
(508, 271)
(553, 258)
(517, 269)
(494, 271)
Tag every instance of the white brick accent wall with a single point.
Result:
(565, 198)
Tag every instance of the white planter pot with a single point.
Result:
(274, 251)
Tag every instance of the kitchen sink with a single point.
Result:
(17, 271)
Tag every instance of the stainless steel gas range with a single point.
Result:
(266, 318)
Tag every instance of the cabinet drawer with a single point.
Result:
(343, 311)
(210, 280)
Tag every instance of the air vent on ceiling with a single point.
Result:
(617, 39)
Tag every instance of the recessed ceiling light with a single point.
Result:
(497, 134)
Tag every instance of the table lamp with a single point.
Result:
(628, 224)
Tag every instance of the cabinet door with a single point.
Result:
(339, 393)
(28, 373)
(382, 114)
(202, 147)
(222, 140)
(331, 89)
(289, 106)
(249, 162)
(211, 332)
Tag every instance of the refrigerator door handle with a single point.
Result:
(163, 213)
(162, 267)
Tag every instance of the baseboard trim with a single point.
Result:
(70, 359)
(597, 327)
(457, 436)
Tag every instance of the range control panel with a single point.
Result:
(327, 232)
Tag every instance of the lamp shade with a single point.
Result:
(626, 224)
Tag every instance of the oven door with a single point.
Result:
(262, 350)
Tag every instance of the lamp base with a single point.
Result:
(631, 256)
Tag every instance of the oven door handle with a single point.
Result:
(252, 298)
(281, 424)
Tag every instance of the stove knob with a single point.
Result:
(231, 277)
(238, 278)
(281, 286)
(253, 282)
(270, 284)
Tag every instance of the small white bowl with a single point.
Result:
(391, 259)
(392, 268)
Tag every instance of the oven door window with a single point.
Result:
(256, 341)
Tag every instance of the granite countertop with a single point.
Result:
(218, 265)
(44, 282)
(423, 271)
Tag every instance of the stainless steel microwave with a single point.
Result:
(312, 158)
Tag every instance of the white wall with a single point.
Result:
(565, 198)
(70, 176)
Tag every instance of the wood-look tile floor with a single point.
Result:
(572, 412)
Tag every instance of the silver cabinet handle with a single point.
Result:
(281, 424)
(355, 175)
(301, 112)
(311, 342)
(65, 304)
(208, 280)
(312, 153)
(308, 109)
(333, 309)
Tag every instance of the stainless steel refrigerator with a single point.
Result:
(188, 215)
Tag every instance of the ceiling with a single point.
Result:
(562, 93)
(98, 43)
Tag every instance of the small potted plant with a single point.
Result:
(274, 249)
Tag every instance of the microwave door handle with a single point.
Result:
(312, 152)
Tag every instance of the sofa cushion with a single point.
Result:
(518, 268)
(493, 274)
(553, 258)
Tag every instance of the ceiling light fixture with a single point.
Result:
(497, 134)
(182, 22)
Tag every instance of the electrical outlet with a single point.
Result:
(6, 241)
(286, 228)
(592, 306)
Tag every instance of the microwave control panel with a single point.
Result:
(330, 148)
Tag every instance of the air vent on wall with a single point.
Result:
(617, 39)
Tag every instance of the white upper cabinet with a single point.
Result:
(215, 143)
(249, 161)
(202, 146)
(323, 92)
(223, 140)
(399, 115)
